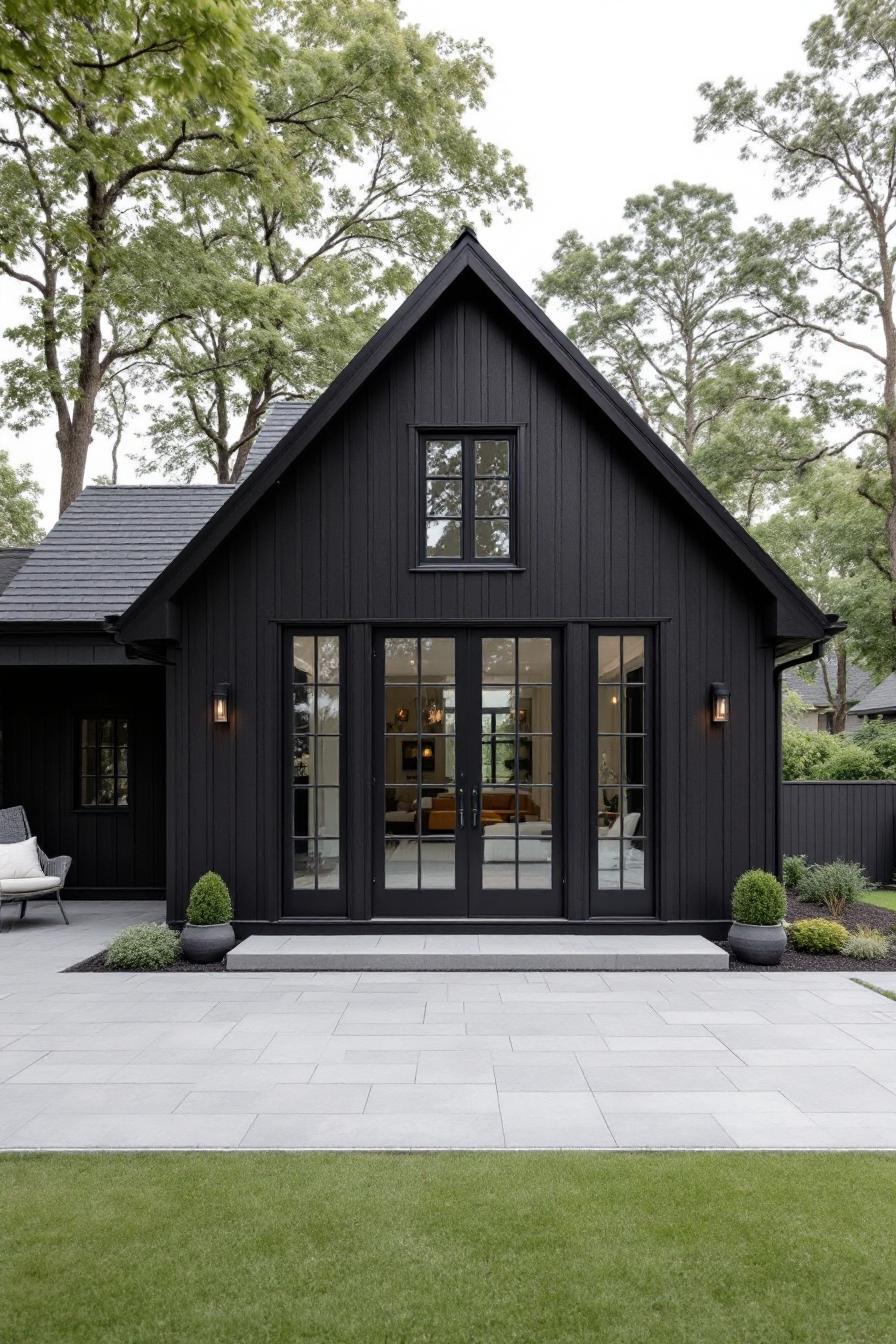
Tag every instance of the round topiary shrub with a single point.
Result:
(758, 898)
(818, 936)
(795, 869)
(210, 901)
(143, 947)
(867, 944)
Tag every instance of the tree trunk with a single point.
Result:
(73, 443)
(840, 704)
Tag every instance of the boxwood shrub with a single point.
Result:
(210, 901)
(758, 898)
(143, 947)
(818, 936)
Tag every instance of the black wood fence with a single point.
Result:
(842, 819)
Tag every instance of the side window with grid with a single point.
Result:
(103, 772)
(622, 801)
(316, 746)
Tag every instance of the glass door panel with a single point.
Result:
(515, 872)
(466, 794)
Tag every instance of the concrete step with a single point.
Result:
(477, 952)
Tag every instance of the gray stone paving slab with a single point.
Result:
(431, 1059)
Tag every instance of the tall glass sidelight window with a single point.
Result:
(103, 767)
(316, 812)
(467, 484)
(518, 814)
(420, 796)
(622, 792)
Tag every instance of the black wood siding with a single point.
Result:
(112, 850)
(842, 819)
(334, 541)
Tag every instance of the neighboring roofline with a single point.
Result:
(467, 255)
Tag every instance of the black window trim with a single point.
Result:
(114, 808)
(467, 433)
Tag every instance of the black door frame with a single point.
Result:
(469, 899)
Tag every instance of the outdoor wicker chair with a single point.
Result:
(13, 829)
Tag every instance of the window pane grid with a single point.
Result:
(621, 762)
(419, 798)
(510, 798)
(103, 765)
(316, 762)
(467, 490)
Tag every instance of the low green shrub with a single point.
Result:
(210, 901)
(795, 868)
(866, 944)
(758, 898)
(144, 947)
(868, 754)
(818, 935)
(833, 885)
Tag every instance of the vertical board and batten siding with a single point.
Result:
(113, 850)
(842, 819)
(600, 539)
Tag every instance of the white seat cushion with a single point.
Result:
(28, 886)
(20, 859)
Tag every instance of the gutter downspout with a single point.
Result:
(814, 653)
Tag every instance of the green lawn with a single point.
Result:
(382, 1249)
(884, 898)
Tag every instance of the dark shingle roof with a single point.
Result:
(105, 549)
(114, 540)
(12, 558)
(280, 416)
(813, 692)
(881, 697)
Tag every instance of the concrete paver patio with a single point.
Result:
(403, 1060)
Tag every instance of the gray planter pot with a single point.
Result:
(207, 942)
(758, 944)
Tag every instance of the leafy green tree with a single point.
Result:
(19, 504)
(105, 104)
(828, 132)
(99, 102)
(826, 536)
(664, 312)
(281, 279)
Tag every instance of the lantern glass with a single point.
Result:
(221, 703)
(721, 703)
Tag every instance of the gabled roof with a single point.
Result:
(881, 698)
(106, 549)
(799, 619)
(812, 690)
(12, 558)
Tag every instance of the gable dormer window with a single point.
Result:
(467, 496)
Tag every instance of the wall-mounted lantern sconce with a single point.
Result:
(221, 702)
(720, 702)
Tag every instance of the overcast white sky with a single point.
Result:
(598, 101)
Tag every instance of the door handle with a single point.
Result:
(460, 804)
(474, 808)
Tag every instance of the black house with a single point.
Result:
(467, 641)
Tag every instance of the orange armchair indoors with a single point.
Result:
(496, 806)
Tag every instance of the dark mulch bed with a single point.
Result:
(871, 916)
(98, 963)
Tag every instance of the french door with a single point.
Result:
(466, 775)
